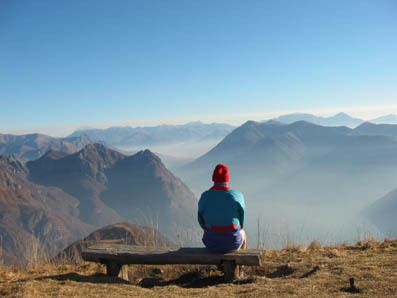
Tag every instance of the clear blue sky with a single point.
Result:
(74, 62)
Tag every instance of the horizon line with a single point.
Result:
(365, 113)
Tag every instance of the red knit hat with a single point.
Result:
(221, 174)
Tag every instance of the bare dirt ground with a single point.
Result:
(291, 272)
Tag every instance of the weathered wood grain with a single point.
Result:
(129, 254)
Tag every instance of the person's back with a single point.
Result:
(221, 213)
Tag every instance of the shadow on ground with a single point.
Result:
(194, 279)
(97, 278)
(282, 271)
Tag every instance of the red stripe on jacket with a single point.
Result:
(225, 228)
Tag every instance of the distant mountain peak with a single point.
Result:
(82, 138)
(148, 152)
(274, 122)
(366, 124)
(194, 123)
(250, 123)
(303, 123)
(342, 114)
(33, 146)
(344, 117)
(340, 119)
(99, 155)
(387, 119)
(146, 155)
(98, 148)
(146, 136)
(54, 154)
(95, 146)
(368, 128)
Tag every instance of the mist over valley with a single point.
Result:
(301, 182)
(117, 116)
(304, 181)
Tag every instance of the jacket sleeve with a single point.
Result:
(200, 213)
(241, 210)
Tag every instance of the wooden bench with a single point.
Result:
(114, 256)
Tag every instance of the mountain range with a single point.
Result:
(34, 220)
(33, 146)
(368, 128)
(111, 187)
(259, 153)
(387, 119)
(296, 174)
(59, 198)
(302, 173)
(340, 119)
(154, 135)
(197, 137)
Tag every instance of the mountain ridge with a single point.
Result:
(369, 128)
(31, 215)
(301, 168)
(32, 146)
(340, 119)
(61, 197)
(161, 134)
(112, 187)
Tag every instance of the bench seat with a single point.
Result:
(117, 255)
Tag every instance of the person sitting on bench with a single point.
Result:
(221, 214)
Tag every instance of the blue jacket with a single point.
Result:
(221, 213)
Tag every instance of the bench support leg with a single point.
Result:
(112, 269)
(124, 272)
(230, 270)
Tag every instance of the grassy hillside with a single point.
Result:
(292, 272)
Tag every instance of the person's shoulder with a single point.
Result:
(204, 194)
(235, 192)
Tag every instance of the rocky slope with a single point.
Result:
(82, 175)
(34, 220)
(48, 203)
(112, 187)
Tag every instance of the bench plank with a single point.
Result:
(130, 254)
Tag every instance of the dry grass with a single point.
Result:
(291, 272)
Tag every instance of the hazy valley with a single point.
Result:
(114, 115)
(304, 181)
(301, 182)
